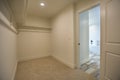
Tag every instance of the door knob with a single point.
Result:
(78, 43)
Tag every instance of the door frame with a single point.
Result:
(77, 33)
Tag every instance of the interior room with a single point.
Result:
(40, 40)
(90, 41)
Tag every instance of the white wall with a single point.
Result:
(85, 4)
(35, 21)
(84, 37)
(33, 45)
(35, 41)
(62, 36)
(8, 47)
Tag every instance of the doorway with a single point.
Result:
(90, 41)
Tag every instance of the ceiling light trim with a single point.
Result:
(42, 4)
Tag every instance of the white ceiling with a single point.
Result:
(19, 10)
(22, 8)
(52, 7)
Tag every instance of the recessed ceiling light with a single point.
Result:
(42, 4)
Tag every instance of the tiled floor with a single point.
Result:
(92, 67)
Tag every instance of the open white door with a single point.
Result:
(110, 57)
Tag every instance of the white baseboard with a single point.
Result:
(14, 71)
(57, 58)
(64, 62)
(31, 57)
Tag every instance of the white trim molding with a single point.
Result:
(70, 65)
(34, 29)
(22, 59)
(6, 22)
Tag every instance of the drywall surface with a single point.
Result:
(35, 21)
(85, 4)
(84, 37)
(8, 52)
(33, 44)
(62, 36)
(34, 38)
(8, 45)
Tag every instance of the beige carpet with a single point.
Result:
(48, 69)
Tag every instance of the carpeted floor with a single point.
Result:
(48, 69)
